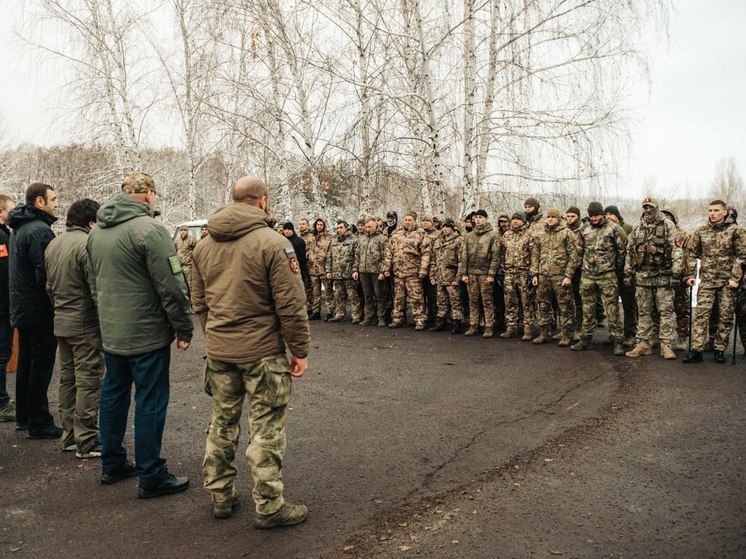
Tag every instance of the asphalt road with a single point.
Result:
(431, 445)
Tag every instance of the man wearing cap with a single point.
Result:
(478, 262)
(626, 290)
(408, 262)
(370, 254)
(602, 247)
(721, 247)
(184, 246)
(341, 269)
(444, 263)
(515, 257)
(143, 306)
(554, 259)
(654, 262)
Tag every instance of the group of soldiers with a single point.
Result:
(541, 275)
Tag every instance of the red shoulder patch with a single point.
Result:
(3, 251)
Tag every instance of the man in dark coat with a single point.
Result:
(7, 407)
(31, 310)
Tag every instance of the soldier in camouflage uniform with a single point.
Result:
(602, 247)
(428, 288)
(721, 247)
(572, 219)
(515, 257)
(478, 263)
(408, 262)
(680, 290)
(316, 266)
(654, 263)
(534, 218)
(305, 233)
(554, 259)
(444, 263)
(341, 269)
(626, 290)
(184, 245)
(370, 256)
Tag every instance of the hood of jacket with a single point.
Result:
(486, 229)
(119, 209)
(236, 220)
(23, 214)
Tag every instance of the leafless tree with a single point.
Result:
(728, 182)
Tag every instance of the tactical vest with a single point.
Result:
(651, 249)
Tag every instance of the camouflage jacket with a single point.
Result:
(371, 253)
(340, 260)
(603, 248)
(516, 250)
(308, 238)
(407, 253)
(480, 252)
(444, 260)
(536, 224)
(652, 254)
(721, 248)
(554, 252)
(184, 249)
(316, 254)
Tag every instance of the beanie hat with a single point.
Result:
(573, 210)
(595, 208)
(413, 215)
(531, 201)
(521, 216)
(554, 212)
(483, 213)
(613, 210)
(449, 223)
(289, 225)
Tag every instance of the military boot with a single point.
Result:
(667, 351)
(575, 336)
(693, 356)
(509, 333)
(528, 335)
(542, 337)
(472, 331)
(288, 515)
(642, 348)
(457, 327)
(558, 335)
(224, 509)
(439, 326)
(581, 345)
(564, 340)
(681, 345)
(618, 347)
(488, 332)
(629, 341)
(419, 326)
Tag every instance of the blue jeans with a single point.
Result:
(6, 349)
(149, 373)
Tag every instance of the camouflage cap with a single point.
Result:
(554, 212)
(650, 202)
(138, 183)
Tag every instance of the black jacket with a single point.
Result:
(29, 302)
(4, 259)
(299, 246)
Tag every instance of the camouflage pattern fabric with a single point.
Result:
(655, 302)
(408, 254)
(184, 249)
(371, 253)
(374, 295)
(681, 310)
(722, 300)
(721, 247)
(481, 292)
(449, 299)
(444, 264)
(344, 290)
(607, 287)
(328, 293)
(318, 253)
(519, 301)
(268, 385)
(602, 248)
(408, 290)
(341, 258)
(549, 289)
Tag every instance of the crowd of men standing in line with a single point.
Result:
(537, 275)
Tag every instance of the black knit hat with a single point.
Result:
(483, 213)
(573, 210)
(613, 210)
(595, 208)
(289, 225)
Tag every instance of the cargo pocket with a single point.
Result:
(277, 381)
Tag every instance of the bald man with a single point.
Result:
(249, 297)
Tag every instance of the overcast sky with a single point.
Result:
(690, 115)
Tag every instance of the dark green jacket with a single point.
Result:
(142, 295)
(70, 284)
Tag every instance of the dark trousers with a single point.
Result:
(149, 373)
(37, 347)
(6, 349)
(374, 295)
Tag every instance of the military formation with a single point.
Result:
(543, 276)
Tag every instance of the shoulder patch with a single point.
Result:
(292, 260)
(175, 264)
(3, 251)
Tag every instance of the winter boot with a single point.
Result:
(629, 341)
(419, 326)
(681, 345)
(618, 347)
(509, 333)
(528, 335)
(642, 348)
(439, 326)
(488, 332)
(558, 335)
(693, 356)
(314, 316)
(564, 340)
(581, 345)
(472, 331)
(457, 327)
(667, 351)
(288, 515)
(542, 337)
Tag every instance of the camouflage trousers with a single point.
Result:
(316, 283)
(308, 286)
(629, 305)
(344, 290)
(550, 288)
(721, 299)
(519, 301)
(81, 374)
(187, 270)
(741, 315)
(449, 298)
(480, 290)
(408, 291)
(607, 286)
(374, 295)
(268, 384)
(655, 303)
(681, 308)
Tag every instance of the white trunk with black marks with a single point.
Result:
(469, 192)
(366, 201)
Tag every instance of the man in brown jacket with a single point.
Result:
(249, 298)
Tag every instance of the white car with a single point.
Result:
(194, 227)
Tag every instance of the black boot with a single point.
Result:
(314, 316)
(693, 356)
(439, 326)
(457, 327)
